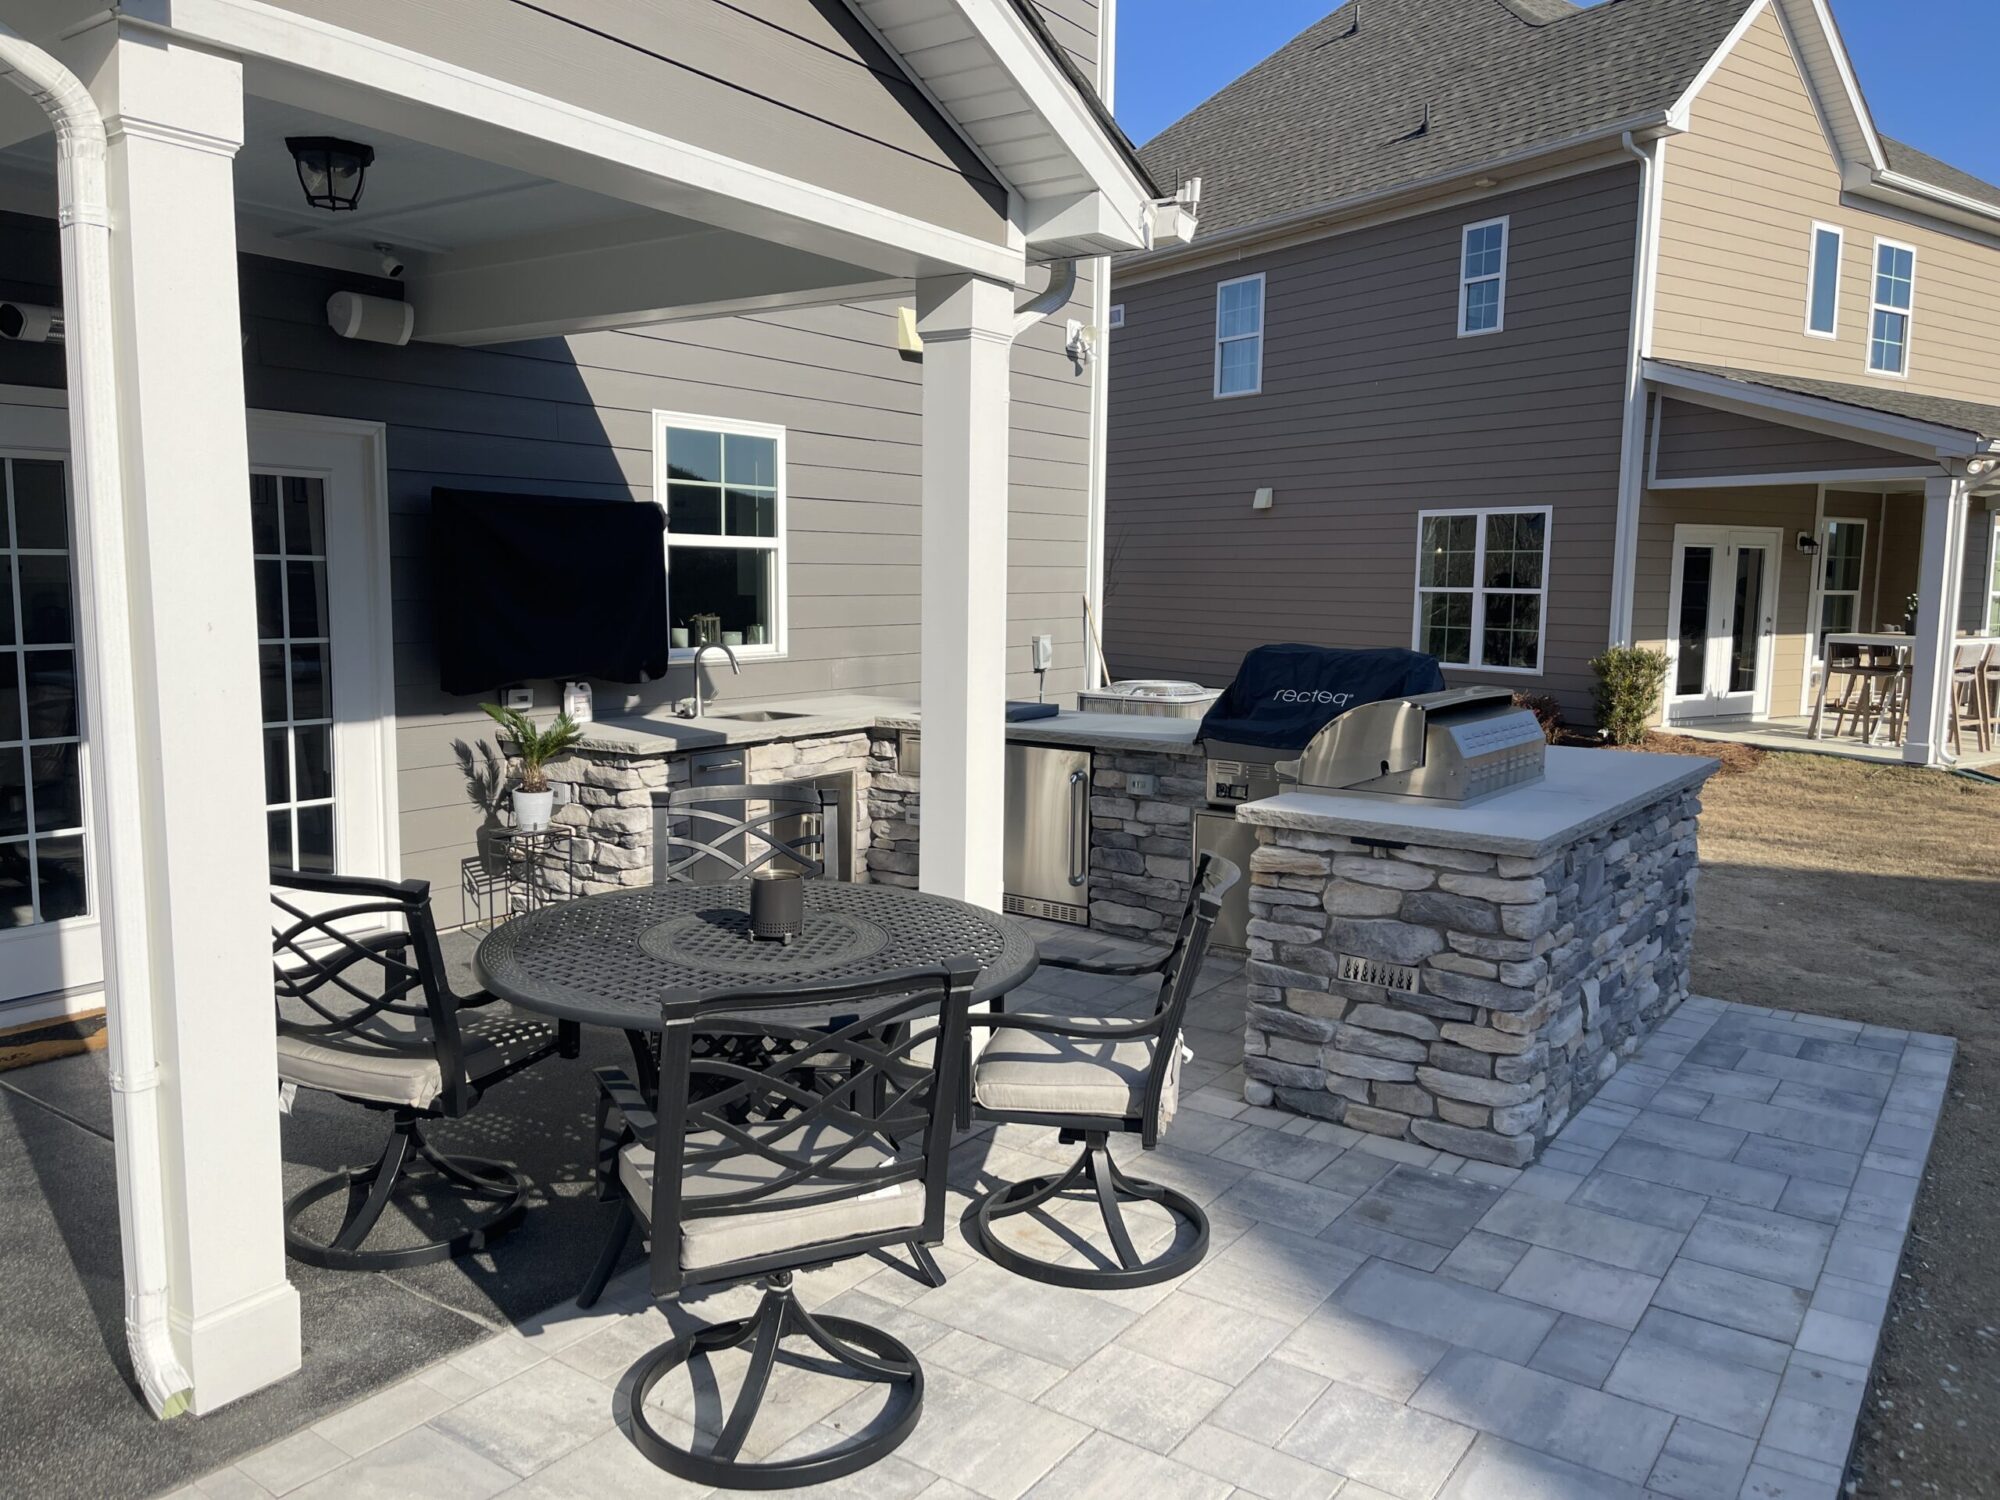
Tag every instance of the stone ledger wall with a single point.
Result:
(1141, 847)
(611, 804)
(892, 808)
(1536, 976)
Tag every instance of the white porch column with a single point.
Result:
(967, 324)
(174, 120)
(1940, 570)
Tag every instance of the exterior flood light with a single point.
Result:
(330, 170)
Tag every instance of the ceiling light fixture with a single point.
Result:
(331, 170)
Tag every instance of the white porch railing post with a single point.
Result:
(967, 324)
(1926, 740)
(174, 120)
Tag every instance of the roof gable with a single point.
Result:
(1385, 93)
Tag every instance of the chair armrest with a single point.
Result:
(616, 1090)
(1085, 1031)
(617, 1093)
(1098, 966)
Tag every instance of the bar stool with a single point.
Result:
(1969, 695)
(1871, 685)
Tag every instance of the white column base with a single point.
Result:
(241, 1348)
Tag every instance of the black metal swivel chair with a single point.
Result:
(772, 1173)
(365, 1012)
(708, 834)
(1091, 1078)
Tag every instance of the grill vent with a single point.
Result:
(1372, 971)
(1054, 911)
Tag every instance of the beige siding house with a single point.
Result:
(1518, 329)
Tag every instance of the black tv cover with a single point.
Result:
(531, 586)
(1284, 695)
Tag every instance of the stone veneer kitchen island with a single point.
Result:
(1467, 977)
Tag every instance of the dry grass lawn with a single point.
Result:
(1873, 893)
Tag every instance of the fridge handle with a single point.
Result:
(1079, 827)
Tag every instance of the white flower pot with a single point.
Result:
(531, 810)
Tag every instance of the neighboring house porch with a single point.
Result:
(1779, 511)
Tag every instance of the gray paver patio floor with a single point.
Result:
(1682, 1300)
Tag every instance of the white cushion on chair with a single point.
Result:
(776, 1224)
(1032, 1072)
(391, 1062)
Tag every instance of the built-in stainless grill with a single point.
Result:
(1311, 718)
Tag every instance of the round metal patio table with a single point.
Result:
(611, 960)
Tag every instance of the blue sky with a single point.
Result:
(1919, 64)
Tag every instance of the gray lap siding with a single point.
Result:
(1372, 410)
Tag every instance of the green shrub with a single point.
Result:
(1629, 680)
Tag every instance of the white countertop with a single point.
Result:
(1584, 791)
(660, 733)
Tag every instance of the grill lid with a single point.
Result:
(1282, 696)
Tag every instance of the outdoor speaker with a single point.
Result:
(31, 323)
(379, 320)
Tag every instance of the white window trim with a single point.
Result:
(1479, 590)
(1821, 593)
(1909, 315)
(779, 644)
(1465, 282)
(1812, 273)
(1221, 287)
(1991, 622)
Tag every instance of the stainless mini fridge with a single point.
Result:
(1048, 832)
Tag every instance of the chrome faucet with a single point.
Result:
(734, 667)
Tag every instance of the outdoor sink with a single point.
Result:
(761, 715)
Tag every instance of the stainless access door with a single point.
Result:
(1048, 832)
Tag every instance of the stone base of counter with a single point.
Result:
(1141, 846)
(893, 814)
(610, 805)
(1465, 1000)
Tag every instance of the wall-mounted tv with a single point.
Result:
(547, 586)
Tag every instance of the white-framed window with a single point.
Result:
(1482, 278)
(1823, 282)
(1993, 578)
(1116, 317)
(1239, 336)
(1842, 557)
(723, 485)
(1892, 305)
(1482, 587)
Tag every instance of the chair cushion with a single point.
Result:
(1031, 1072)
(390, 1061)
(775, 1225)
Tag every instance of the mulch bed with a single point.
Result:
(1736, 759)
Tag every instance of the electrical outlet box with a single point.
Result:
(1042, 652)
(1142, 785)
(522, 698)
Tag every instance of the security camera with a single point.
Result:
(29, 323)
(392, 263)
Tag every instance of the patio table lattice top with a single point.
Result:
(612, 960)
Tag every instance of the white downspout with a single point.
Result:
(1632, 448)
(97, 502)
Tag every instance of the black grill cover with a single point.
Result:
(1284, 695)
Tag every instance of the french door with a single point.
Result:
(318, 533)
(1723, 613)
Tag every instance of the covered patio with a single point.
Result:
(1781, 512)
(550, 178)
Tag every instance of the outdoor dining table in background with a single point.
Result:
(1859, 640)
(610, 960)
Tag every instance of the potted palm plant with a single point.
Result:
(534, 748)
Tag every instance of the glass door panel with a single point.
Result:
(294, 647)
(1746, 616)
(1697, 574)
(1723, 616)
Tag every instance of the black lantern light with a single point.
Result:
(330, 170)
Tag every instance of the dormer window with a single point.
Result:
(1482, 278)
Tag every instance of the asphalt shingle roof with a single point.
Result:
(1907, 159)
(1340, 109)
(1965, 416)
